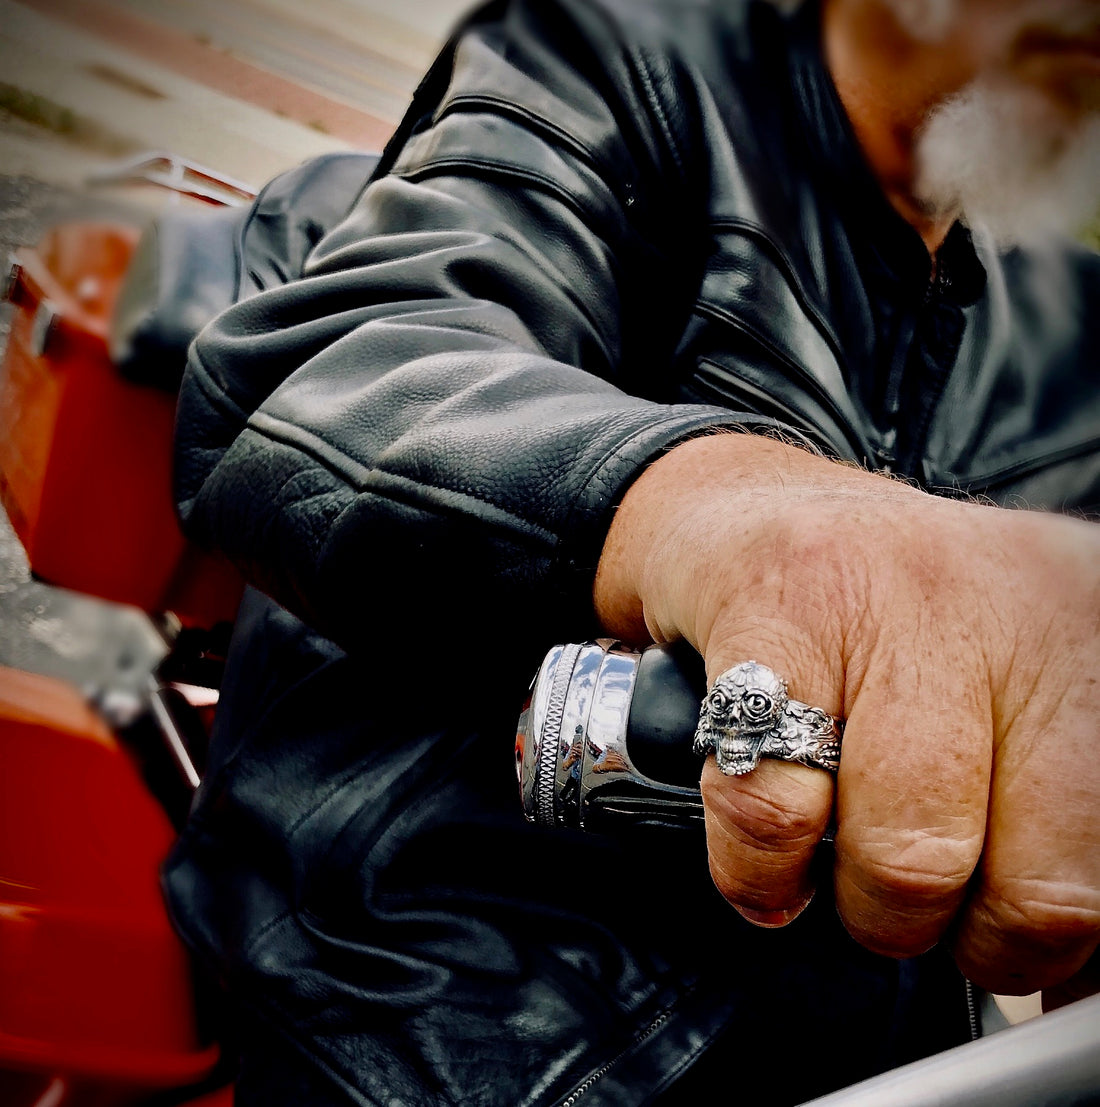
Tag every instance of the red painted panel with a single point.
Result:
(94, 981)
(86, 456)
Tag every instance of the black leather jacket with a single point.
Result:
(604, 226)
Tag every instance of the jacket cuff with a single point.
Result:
(586, 530)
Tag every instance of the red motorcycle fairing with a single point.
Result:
(85, 453)
(95, 986)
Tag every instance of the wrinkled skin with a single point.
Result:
(962, 644)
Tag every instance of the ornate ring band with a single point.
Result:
(747, 715)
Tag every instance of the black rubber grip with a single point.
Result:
(664, 710)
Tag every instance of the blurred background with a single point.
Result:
(247, 88)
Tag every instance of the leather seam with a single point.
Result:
(212, 390)
(784, 412)
(1034, 463)
(790, 275)
(469, 102)
(435, 167)
(851, 433)
(650, 89)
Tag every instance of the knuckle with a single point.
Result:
(1052, 920)
(766, 819)
(926, 872)
(1029, 935)
(899, 901)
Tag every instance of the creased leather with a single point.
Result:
(601, 217)
(604, 226)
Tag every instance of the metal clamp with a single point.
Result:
(42, 326)
(12, 279)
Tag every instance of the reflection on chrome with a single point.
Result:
(572, 754)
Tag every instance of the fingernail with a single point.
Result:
(771, 919)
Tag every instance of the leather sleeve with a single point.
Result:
(426, 433)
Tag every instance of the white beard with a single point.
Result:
(1005, 158)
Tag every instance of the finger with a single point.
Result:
(764, 828)
(1084, 983)
(912, 797)
(762, 832)
(1033, 936)
(1034, 919)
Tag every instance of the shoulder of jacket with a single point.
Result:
(639, 65)
(686, 27)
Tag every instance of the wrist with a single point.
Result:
(662, 523)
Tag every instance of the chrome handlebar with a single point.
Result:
(604, 739)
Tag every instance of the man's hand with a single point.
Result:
(962, 644)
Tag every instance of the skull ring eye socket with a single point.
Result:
(719, 701)
(757, 704)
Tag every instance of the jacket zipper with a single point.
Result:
(933, 390)
(593, 1077)
(972, 1012)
